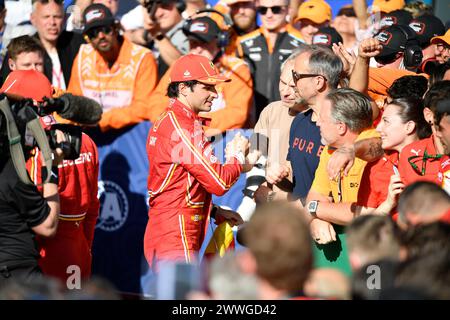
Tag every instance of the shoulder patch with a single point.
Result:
(249, 36)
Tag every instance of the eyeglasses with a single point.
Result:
(93, 33)
(424, 159)
(442, 46)
(274, 9)
(297, 76)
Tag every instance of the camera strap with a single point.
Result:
(15, 146)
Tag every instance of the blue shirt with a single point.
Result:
(304, 152)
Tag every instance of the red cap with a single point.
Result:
(196, 67)
(28, 84)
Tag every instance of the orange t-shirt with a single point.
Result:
(380, 79)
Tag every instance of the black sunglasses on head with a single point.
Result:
(59, 2)
(275, 9)
(94, 32)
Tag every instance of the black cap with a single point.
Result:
(203, 29)
(97, 15)
(394, 39)
(426, 27)
(2, 4)
(327, 36)
(402, 17)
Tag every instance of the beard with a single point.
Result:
(244, 23)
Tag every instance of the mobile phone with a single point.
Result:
(396, 170)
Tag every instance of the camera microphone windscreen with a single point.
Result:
(80, 109)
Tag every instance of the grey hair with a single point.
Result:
(302, 48)
(352, 108)
(323, 61)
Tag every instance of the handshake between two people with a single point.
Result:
(239, 148)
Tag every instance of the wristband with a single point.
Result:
(54, 175)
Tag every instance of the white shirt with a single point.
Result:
(57, 73)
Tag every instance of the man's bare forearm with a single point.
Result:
(359, 79)
(369, 149)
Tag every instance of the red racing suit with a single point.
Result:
(183, 174)
(79, 205)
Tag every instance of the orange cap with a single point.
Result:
(387, 6)
(196, 67)
(28, 84)
(445, 38)
(317, 11)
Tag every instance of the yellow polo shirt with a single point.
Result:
(345, 188)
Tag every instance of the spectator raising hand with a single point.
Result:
(369, 48)
(348, 58)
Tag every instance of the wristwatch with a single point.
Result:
(159, 36)
(312, 208)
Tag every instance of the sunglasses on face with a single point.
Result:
(297, 76)
(274, 9)
(93, 33)
(348, 12)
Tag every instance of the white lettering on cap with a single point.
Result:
(199, 27)
(187, 74)
(418, 27)
(388, 21)
(384, 37)
(322, 39)
(94, 15)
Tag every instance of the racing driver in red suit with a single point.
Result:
(184, 172)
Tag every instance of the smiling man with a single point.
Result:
(113, 71)
(184, 171)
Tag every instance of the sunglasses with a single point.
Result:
(297, 76)
(274, 9)
(47, 1)
(348, 12)
(441, 47)
(93, 33)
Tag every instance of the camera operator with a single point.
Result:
(77, 186)
(24, 211)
